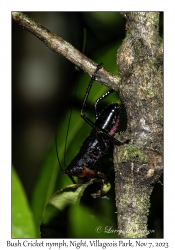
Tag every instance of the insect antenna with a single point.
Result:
(69, 121)
(59, 162)
(57, 151)
(72, 179)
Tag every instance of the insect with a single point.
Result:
(86, 163)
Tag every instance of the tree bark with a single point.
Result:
(138, 165)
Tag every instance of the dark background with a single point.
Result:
(42, 87)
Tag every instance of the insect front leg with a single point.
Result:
(89, 88)
(86, 97)
(92, 124)
(98, 100)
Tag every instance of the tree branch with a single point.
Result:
(59, 45)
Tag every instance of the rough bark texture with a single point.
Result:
(138, 165)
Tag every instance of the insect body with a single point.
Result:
(86, 163)
(96, 144)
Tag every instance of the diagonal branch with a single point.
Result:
(59, 45)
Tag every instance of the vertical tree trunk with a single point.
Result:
(138, 165)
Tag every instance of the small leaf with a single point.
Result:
(69, 195)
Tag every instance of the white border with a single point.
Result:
(5, 98)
